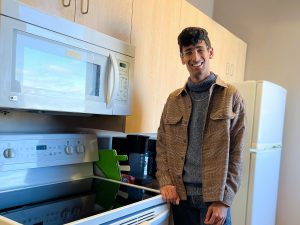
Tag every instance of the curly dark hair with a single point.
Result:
(191, 36)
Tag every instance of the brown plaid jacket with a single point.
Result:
(221, 147)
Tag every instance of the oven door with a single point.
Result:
(48, 71)
(156, 215)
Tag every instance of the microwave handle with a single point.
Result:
(113, 81)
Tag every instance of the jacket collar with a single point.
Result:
(184, 90)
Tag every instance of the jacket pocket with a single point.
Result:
(173, 120)
(174, 131)
(218, 125)
(222, 115)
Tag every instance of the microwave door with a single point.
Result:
(113, 81)
(96, 83)
(48, 71)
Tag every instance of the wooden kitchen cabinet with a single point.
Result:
(192, 17)
(155, 26)
(54, 7)
(229, 54)
(112, 17)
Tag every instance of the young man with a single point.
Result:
(199, 143)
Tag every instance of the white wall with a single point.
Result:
(271, 30)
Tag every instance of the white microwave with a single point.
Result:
(54, 65)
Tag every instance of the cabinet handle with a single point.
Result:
(87, 7)
(66, 4)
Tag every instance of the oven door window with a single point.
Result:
(51, 68)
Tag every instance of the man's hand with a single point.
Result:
(216, 214)
(169, 194)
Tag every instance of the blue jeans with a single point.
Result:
(193, 211)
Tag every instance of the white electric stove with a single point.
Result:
(47, 179)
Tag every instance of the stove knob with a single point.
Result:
(69, 150)
(9, 153)
(80, 148)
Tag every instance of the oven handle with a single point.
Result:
(113, 81)
(159, 219)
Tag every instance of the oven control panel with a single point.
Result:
(32, 151)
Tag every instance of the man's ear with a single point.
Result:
(211, 53)
(182, 61)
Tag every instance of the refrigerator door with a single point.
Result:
(265, 106)
(263, 186)
(268, 115)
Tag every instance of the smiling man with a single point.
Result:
(199, 142)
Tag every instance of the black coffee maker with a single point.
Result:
(141, 156)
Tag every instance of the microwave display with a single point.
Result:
(44, 67)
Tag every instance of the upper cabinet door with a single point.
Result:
(229, 54)
(112, 17)
(192, 17)
(155, 27)
(54, 7)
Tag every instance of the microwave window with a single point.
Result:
(50, 68)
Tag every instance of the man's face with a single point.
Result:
(196, 58)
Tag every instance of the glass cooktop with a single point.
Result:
(65, 202)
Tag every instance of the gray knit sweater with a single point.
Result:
(192, 168)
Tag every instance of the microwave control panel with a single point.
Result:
(123, 81)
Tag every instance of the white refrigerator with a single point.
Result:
(256, 200)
